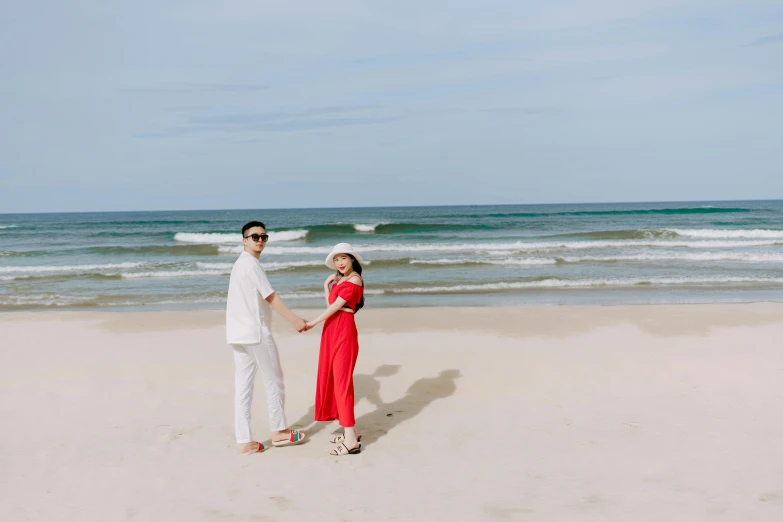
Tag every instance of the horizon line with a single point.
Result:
(397, 206)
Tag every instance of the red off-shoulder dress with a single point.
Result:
(334, 398)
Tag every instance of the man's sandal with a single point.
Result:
(342, 449)
(257, 449)
(341, 438)
(296, 437)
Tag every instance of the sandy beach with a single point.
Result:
(626, 413)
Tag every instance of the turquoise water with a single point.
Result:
(418, 256)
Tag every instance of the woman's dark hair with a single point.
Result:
(357, 267)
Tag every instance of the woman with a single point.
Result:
(334, 398)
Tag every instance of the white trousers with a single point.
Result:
(248, 359)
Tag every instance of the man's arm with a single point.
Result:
(263, 287)
(276, 302)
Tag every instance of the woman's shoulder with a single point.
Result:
(355, 279)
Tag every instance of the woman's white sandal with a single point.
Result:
(342, 450)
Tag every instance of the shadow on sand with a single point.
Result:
(387, 415)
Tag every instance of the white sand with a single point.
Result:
(628, 414)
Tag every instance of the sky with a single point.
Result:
(192, 104)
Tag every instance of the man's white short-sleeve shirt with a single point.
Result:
(248, 314)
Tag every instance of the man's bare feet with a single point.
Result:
(279, 436)
(252, 447)
(288, 438)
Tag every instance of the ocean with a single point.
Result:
(630, 253)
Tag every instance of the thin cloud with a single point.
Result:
(772, 39)
(194, 88)
(168, 133)
(337, 109)
(238, 120)
(251, 141)
(529, 111)
(309, 124)
(189, 108)
(315, 118)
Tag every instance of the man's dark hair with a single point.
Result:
(251, 225)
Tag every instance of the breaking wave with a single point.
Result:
(219, 239)
(367, 228)
(587, 283)
(729, 234)
(66, 268)
(516, 246)
(636, 212)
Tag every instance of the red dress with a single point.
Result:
(339, 348)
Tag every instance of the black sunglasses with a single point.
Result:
(256, 237)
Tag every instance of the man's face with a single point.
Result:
(250, 243)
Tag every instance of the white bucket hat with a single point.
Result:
(341, 248)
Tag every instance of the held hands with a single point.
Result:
(302, 326)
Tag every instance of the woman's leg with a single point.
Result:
(344, 364)
(325, 406)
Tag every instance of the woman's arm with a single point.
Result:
(338, 303)
(329, 280)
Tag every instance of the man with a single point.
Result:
(248, 321)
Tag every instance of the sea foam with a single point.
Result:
(530, 261)
(68, 268)
(728, 234)
(749, 257)
(269, 267)
(219, 239)
(516, 246)
(586, 283)
(367, 228)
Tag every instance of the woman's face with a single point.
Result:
(343, 263)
